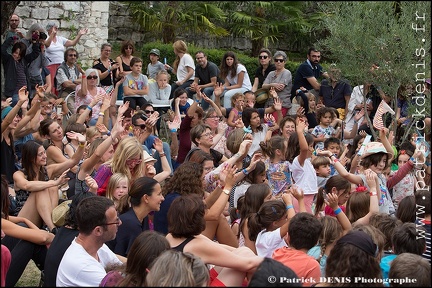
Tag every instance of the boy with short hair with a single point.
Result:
(333, 145)
(322, 169)
(303, 233)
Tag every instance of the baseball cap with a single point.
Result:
(373, 148)
(155, 51)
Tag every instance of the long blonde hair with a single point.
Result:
(181, 47)
(127, 148)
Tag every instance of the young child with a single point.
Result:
(333, 145)
(299, 153)
(278, 171)
(155, 65)
(118, 186)
(303, 233)
(406, 186)
(324, 129)
(338, 186)
(135, 86)
(160, 90)
(235, 115)
(322, 168)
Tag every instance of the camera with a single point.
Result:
(35, 36)
(43, 36)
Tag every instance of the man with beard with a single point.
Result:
(13, 31)
(308, 73)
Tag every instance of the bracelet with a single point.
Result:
(112, 138)
(221, 186)
(81, 144)
(173, 130)
(245, 171)
(90, 108)
(162, 154)
(335, 159)
(412, 159)
(109, 71)
(237, 154)
(198, 101)
(108, 133)
(101, 114)
(83, 76)
(289, 207)
(337, 211)
(373, 193)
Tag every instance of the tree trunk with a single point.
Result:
(7, 8)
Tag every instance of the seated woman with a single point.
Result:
(232, 265)
(23, 238)
(36, 194)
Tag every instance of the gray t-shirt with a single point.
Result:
(152, 70)
(135, 83)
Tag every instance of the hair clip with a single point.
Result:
(402, 152)
(247, 130)
(274, 210)
(361, 189)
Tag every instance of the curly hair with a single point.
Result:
(187, 179)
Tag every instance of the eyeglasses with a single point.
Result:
(72, 55)
(279, 60)
(263, 57)
(215, 117)
(117, 222)
(92, 77)
(133, 161)
(207, 134)
(149, 111)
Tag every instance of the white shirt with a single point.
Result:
(268, 241)
(246, 80)
(55, 52)
(185, 61)
(304, 177)
(78, 269)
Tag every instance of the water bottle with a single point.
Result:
(131, 131)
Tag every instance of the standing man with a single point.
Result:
(13, 31)
(68, 74)
(308, 73)
(206, 77)
(84, 262)
(336, 92)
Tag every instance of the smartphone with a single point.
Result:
(165, 60)
(59, 109)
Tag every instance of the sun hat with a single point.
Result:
(155, 51)
(148, 157)
(373, 148)
(58, 214)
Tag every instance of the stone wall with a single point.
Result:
(71, 16)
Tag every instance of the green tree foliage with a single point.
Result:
(169, 18)
(383, 33)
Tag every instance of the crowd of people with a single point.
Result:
(275, 180)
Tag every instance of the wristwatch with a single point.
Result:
(226, 191)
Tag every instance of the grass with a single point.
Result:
(30, 276)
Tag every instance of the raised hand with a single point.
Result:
(77, 136)
(332, 200)
(102, 128)
(122, 108)
(91, 182)
(175, 124)
(277, 103)
(62, 179)
(158, 145)
(218, 89)
(23, 94)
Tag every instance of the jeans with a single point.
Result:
(228, 95)
(207, 91)
(14, 100)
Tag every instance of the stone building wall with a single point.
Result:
(71, 16)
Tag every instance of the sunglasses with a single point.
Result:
(72, 55)
(133, 161)
(263, 57)
(92, 77)
(142, 126)
(128, 48)
(279, 60)
(149, 111)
